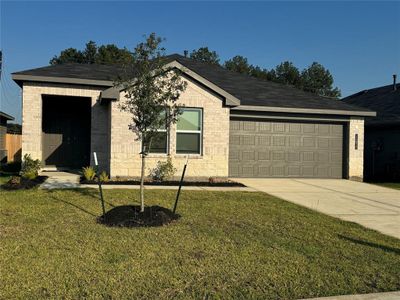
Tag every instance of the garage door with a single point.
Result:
(285, 149)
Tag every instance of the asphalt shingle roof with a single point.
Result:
(251, 91)
(384, 100)
(73, 70)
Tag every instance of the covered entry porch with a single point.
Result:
(66, 132)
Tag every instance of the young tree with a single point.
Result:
(318, 80)
(205, 55)
(152, 90)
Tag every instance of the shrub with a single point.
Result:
(163, 171)
(104, 177)
(30, 167)
(11, 167)
(89, 173)
(30, 175)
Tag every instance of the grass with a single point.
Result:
(227, 245)
(4, 177)
(393, 185)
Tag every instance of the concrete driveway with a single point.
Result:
(372, 206)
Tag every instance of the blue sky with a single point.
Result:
(359, 42)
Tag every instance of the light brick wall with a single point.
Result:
(32, 118)
(125, 158)
(356, 157)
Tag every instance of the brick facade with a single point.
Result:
(117, 147)
(356, 156)
(125, 158)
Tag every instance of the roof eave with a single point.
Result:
(305, 110)
(20, 78)
(6, 116)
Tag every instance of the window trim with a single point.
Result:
(200, 132)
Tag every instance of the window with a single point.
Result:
(159, 141)
(189, 131)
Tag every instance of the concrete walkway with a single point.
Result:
(60, 180)
(374, 296)
(370, 205)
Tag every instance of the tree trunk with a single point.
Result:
(142, 184)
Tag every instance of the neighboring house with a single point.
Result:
(382, 133)
(3, 132)
(233, 125)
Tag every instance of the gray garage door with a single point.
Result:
(285, 149)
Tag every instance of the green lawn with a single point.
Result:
(227, 245)
(393, 185)
(4, 178)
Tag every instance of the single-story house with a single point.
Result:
(382, 133)
(232, 125)
(3, 132)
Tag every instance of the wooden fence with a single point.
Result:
(14, 147)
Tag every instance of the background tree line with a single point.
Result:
(315, 78)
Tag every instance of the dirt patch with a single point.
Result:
(20, 183)
(130, 216)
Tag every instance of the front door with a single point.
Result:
(66, 131)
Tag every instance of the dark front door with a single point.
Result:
(66, 131)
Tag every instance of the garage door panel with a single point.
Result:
(247, 140)
(294, 171)
(323, 143)
(293, 156)
(248, 155)
(323, 171)
(264, 140)
(234, 140)
(264, 127)
(264, 170)
(309, 142)
(336, 172)
(278, 171)
(264, 155)
(285, 149)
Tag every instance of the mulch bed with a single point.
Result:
(130, 216)
(166, 183)
(20, 183)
